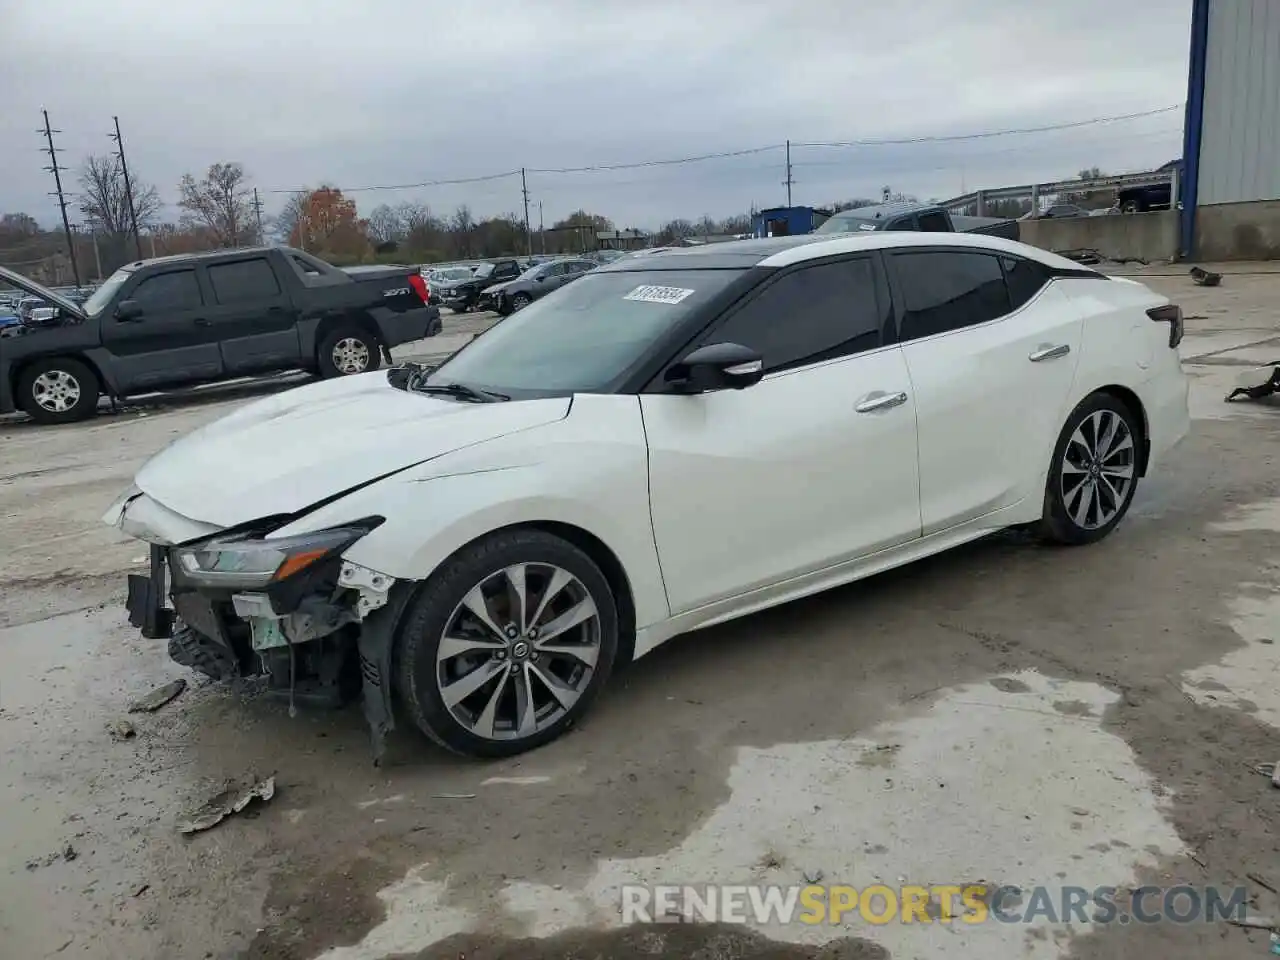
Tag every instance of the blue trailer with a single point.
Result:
(788, 221)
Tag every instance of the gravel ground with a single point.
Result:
(1003, 713)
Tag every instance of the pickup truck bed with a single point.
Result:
(178, 321)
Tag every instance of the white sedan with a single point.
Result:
(670, 442)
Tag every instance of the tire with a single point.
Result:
(1063, 520)
(485, 722)
(58, 390)
(1131, 206)
(343, 347)
(520, 301)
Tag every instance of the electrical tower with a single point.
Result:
(528, 234)
(128, 186)
(790, 180)
(56, 170)
(257, 209)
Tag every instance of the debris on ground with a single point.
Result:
(1254, 923)
(158, 697)
(813, 876)
(453, 796)
(234, 796)
(1258, 383)
(1261, 881)
(1205, 278)
(67, 853)
(121, 730)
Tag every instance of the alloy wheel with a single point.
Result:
(56, 391)
(351, 355)
(519, 651)
(1098, 469)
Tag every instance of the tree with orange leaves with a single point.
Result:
(328, 223)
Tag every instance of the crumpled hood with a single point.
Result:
(284, 453)
(499, 287)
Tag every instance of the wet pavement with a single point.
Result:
(1004, 713)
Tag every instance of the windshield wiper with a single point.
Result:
(461, 391)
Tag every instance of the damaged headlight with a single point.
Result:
(255, 563)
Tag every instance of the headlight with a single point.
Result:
(254, 563)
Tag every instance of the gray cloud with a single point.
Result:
(397, 92)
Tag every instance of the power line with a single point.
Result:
(952, 138)
(413, 186)
(601, 167)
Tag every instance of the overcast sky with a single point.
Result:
(387, 92)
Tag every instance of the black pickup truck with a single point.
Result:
(199, 318)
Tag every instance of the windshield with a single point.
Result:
(483, 270)
(102, 296)
(452, 273)
(584, 336)
(848, 222)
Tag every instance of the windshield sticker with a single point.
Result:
(652, 294)
(867, 226)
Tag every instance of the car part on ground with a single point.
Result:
(643, 454)
(1256, 383)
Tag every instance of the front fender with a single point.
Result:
(588, 471)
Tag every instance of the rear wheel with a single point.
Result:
(1094, 472)
(58, 390)
(348, 350)
(520, 301)
(508, 644)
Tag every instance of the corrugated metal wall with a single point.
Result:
(1240, 152)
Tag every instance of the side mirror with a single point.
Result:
(129, 310)
(715, 367)
(540, 277)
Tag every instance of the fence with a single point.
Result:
(1034, 192)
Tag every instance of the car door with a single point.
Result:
(159, 332)
(254, 319)
(991, 345)
(812, 466)
(553, 276)
(577, 268)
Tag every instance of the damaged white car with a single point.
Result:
(672, 441)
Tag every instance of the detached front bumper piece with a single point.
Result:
(146, 600)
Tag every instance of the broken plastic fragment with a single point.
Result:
(234, 797)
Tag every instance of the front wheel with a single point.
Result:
(58, 390)
(1094, 472)
(507, 645)
(348, 350)
(520, 301)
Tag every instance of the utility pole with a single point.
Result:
(56, 170)
(257, 209)
(789, 181)
(542, 230)
(528, 234)
(128, 186)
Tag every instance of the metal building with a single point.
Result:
(1232, 132)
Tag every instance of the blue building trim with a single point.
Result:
(1193, 127)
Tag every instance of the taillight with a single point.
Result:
(1172, 315)
(420, 287)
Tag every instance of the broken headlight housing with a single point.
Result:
(250, 562)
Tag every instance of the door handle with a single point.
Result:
(1049, 352)
(201, 321)
(880, 401)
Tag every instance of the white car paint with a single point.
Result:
(716, 505)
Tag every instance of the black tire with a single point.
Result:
(326, 361)
(72, 374)
(424, 625)
(520, 301)
(1062, 502)
(1131, 206)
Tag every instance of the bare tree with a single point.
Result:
(386, 225)
(220, 203)
(414, 216)
(104, 200)
(284, 225)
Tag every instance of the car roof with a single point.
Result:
(784, 251)
(881, 211)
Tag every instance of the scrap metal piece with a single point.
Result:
(1256, 384)
(158, 697)
(1205, 278)
(121, 730)
(232, 798)
(375, 644)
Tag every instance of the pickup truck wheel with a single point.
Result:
(58, 390)
(348, 350)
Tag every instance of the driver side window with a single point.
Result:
(809, 315)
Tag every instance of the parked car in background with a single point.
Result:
(1155, 196)
(1058, 211)
(198, 318)
(670, 442)
(910, 215)
(439, 278)
(538, 281)
(464, 295)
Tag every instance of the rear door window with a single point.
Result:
(1024, 278)
(935, 222)
(946, 290)
(243, 281)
